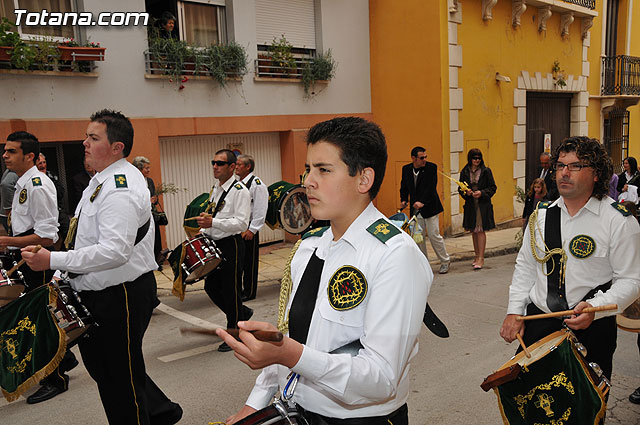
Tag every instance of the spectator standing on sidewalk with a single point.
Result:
(418, 189)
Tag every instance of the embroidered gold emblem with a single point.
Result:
(121, 180)
(559, 380)
(9, 344)
(347, 288)
(544, 403)
(23, 196)
(582, 246)
(275, 194)
(382, 228)
(36, 181)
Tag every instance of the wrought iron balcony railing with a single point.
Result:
(620, 75)
(589, 4)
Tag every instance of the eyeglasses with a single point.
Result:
(576, 166)
(476, 157)
(221, 163)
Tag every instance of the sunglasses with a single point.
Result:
(221, 163)
(476, 157)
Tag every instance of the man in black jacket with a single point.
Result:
(418, 189)
(546, 173)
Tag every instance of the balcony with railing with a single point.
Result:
(589, 4)
(620, 76)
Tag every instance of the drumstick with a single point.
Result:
(21, 262)
(198, 216)
(607, 307)
(266, 336)
(524, 347)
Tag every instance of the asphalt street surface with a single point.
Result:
(445, 376)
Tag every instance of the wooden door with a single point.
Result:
(546, 113)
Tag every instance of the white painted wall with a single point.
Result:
(121, 84)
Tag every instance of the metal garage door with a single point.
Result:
(186, 162)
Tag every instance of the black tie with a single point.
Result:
(304, 301)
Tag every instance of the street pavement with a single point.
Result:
(445, 376)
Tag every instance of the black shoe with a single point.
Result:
(248, 313)
(48, 391)
(168, 418)
(68, 363)
(223, 348)
(635, 396)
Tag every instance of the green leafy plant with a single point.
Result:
(47, 54)
(171, 55)
(9, 36)
(169, 188)
(281, 55)
(321, 68)
(23, 56)
(558, 75)
(520, 194)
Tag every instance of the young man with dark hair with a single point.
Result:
(599, 241)
(34, 221)
(259, 204)
(229, 218)
(359, 282)
(110, 263)
(418, 188)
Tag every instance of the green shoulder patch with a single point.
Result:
(318, 231)
(257, 180)
(543, 205)
(621, 209)
(383, 230)
(121, 180)
(238, 186)
(36, 181)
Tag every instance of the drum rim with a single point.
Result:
(560, 335)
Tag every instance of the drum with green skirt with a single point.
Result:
(288, 208)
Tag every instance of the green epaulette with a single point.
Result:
(238, 186)
(383, 230)
(36, 181)
(121, 180)
(543, 204)
(621, 209)
(257, 180)
(318, 231)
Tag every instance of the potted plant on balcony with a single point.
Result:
(281, 57)
(71, 50)
(321, 68)
(224, 61)
(9, 39)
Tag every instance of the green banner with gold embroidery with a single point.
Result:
(555, 390)
(31, 343)
(199, 205)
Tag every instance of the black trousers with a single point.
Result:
(224, 284)
(112, 353)
(600, 338)
(398, 417)
(250, 268)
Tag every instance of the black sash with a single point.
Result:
(556, 296)
(249, 182)
(304, 302)
(220, 201)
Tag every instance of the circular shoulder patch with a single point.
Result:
(582, 246)
(347, 288)
(23, 196)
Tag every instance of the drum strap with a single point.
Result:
(556, 296)
(220, 202)
(249, 182)
(304, 301)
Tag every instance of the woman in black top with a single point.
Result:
(630, 175)
(478, 210)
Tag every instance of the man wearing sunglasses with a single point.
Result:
(229, 218)
(597, 242)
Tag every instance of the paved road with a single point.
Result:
(445, 379)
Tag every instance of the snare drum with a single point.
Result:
(288, 208)
(276, 414)
(201, 257)
(11, 287)
(72, 316)
(554, 385)
(629, 319)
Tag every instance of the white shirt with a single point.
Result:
(38, 209)
(104, 251)
(259, 202)
(233, 217)
(615, 257)
(387, 323)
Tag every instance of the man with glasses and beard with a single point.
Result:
(229, 218)
(599, 241)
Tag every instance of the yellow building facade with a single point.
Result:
(502, 76)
